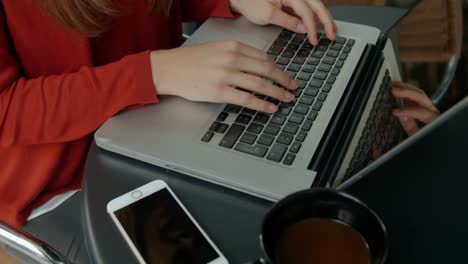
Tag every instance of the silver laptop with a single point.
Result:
(265, 155)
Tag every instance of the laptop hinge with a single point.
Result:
(337, 138)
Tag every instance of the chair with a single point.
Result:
(432, 33)
(28, 248)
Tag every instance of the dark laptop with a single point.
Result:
(420, 190)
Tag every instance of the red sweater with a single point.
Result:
(57, 88)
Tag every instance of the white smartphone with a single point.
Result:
(159, 229)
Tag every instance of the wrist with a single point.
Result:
(157, 59)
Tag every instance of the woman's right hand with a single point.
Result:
(221, 72)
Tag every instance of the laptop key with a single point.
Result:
(295, 147)
(326, 88)
(308, 68)
(299, 60)
(307, 125)
(266, 140)
(222, 116)
(298, 93)
(243, 119)
(325, 68)
(293, 46)
(317, 106)
(301, 84)
(347, 49)
(291, 74)
(329, 60)
(261, 118)
(333, 53)
(285, 139)
(277, 152)
(343, 56)
(316, 83)
(335, 71)
(288, 53)
(232, 136)
(301, 136)
(320, 75)
(233, 109)
(313, 61)
(222, 128)
(307, 100)
(312, 91)
(208, 136)
(331, 79)
(248, 111)
(340, 63)
(340, 40)
(350, 42)
(337, 47)
(294, 67)
(289, 159)
(290, 128)
(318, 54)
(272, 130)
(322, 96)
(303, 53)
(296, 118)
(257, 150)
(285, 109)
(305, 76)
(255, 128)
(282, 61)
(312, 116)
(248, 138)
(278, 119)
(275, 50)
(301, 109)
(214, 126)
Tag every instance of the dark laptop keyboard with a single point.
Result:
(381, 133)
(279, 136)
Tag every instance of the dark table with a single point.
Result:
(232, 219)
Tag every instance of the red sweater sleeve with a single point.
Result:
(199, 10)
(60, 108)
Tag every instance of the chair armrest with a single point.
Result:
(30, 246)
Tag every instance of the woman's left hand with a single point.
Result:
(304, 18)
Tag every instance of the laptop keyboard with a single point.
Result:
(278, 137)
(381, 133)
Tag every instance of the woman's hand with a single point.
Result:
(213, 72)
(304, 18)
(418, 109)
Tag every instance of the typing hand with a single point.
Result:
(418, 108)
(300, 16)
(212, 72)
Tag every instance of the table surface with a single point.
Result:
(230, 218)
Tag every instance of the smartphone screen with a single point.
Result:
(163, 233)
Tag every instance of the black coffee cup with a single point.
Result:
(318, 205)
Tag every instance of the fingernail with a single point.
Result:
(301, 28)
(294, 85)
(272, 108)
(289, 97)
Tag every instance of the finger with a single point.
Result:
(415, 96)
(409, 125)
(259, 85)
(267, 69)
(325, 18)
(232, 95)
(421, 114)
(408, 86)
(283, 19)
(303, 10)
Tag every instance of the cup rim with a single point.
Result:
(316, 190)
